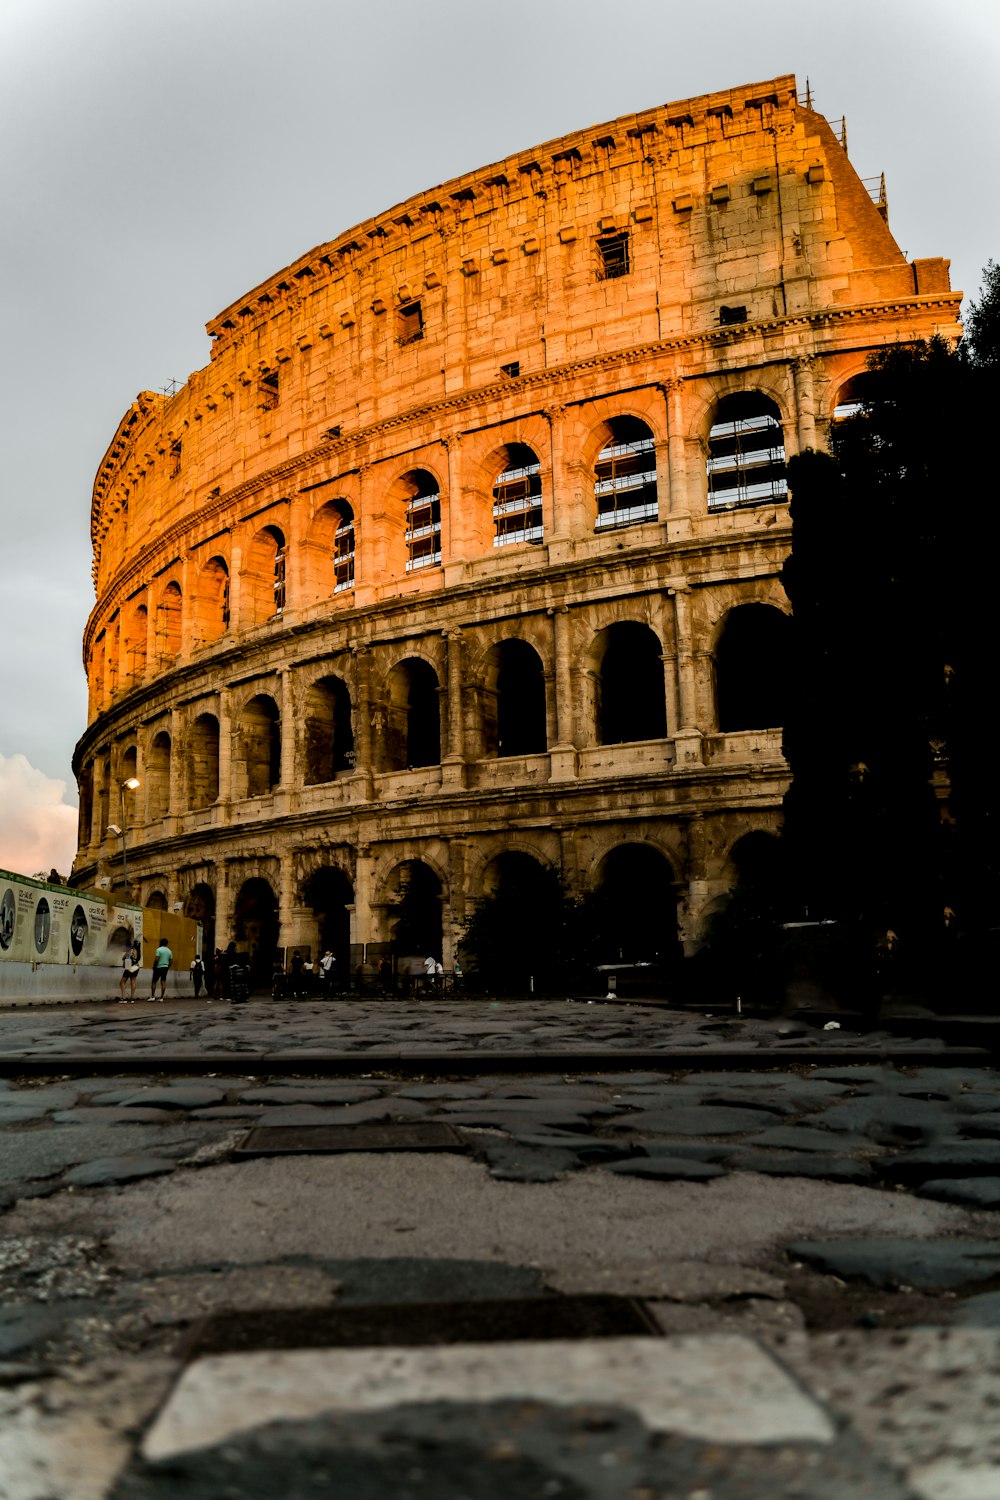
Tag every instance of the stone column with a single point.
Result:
(453, 761)
(363, 748)
(362, 924)
(679, 498)
(235, 581)
(556, 503)
(225, 751)
(563, 755)
(224, 897)
(289, 731)
(288, 935)
(687, 736)
(452, 930)
(177, 748)
(694, 898)
(805, 401)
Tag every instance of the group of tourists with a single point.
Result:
(131, 966)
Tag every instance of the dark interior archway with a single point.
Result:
(752, 668)
(635, 908)
(630, 698)
(329, 738)
(514, 700)
(413, 717)
(416, 923)
(200, 907)
(255, 928)
(329, 892)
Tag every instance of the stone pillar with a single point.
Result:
(235, 581)
(555, 503)
(453, 928)
(362, 923)
(289, 730)
(563, 755)
(177, 748)
(679, 498)
(363, 747)
(690, 907)
(224, 897)
(225, 751)
(805, 401)
(687, 736)
(569, 860)
(453, 761)
(288, 937)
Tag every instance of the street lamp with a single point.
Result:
(131, 783)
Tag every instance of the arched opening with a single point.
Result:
(255, 929)
(156, 901)
(86, 814)
(158, 777)
(412, 734)
(343, 550)
(630, 698)
(212, 604)
(203, 763)
(168, 624)
(129, 762)
(752, 668)
(853, 396)
(625, 475)
(514, 939)
(633, 911)
(422, 534)
(200, 907)
(263, 577)
(415, 925)
(746, 453)
(513, 700)
(136, 634)
(329, 738)
(258, 769)
(517, 497)
(330, 895)
(97, 672)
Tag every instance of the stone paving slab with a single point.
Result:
(724, 1389)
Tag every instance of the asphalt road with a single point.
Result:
(812, 1250)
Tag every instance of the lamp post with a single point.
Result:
(131, 783)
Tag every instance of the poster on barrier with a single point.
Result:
(52, 924)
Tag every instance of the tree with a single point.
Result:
(893, 547)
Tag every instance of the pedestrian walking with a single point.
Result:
(327, 970)
(429, 969)
(218, 974)
(296, 974)
(277, 980)
(197, 974)
(162, 959)
(130, 972)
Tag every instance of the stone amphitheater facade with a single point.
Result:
(461, 556)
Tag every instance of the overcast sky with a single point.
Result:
(160, 160)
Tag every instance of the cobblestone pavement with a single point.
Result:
(404, 1028)
(816, 1247)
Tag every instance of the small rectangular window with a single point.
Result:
(612, 250)
(175, 459)
(732, 315)
(409, 323)
(279, 582)
(268, 390)
(513, 370)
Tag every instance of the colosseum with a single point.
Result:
(460, 558)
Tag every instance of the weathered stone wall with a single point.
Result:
(474, 317)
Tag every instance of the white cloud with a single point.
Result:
(37, 825)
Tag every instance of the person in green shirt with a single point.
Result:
(162, 959)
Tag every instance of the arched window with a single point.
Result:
(633, 911)
(329, 738)
(625, 475)
(852, 396)
(213, 601)
(415, 910)
(129, 763)
(752, 668)
(514, 700)
(256, 927)
(168, 624)
(158, 777)
(630, 695)
(413, 727)
(203, 764)
(135, 643)
(263, 576)
(343, 550)
(517, 498)
(423, 520)
(746, 453)
(259, 747)
(330, 894)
